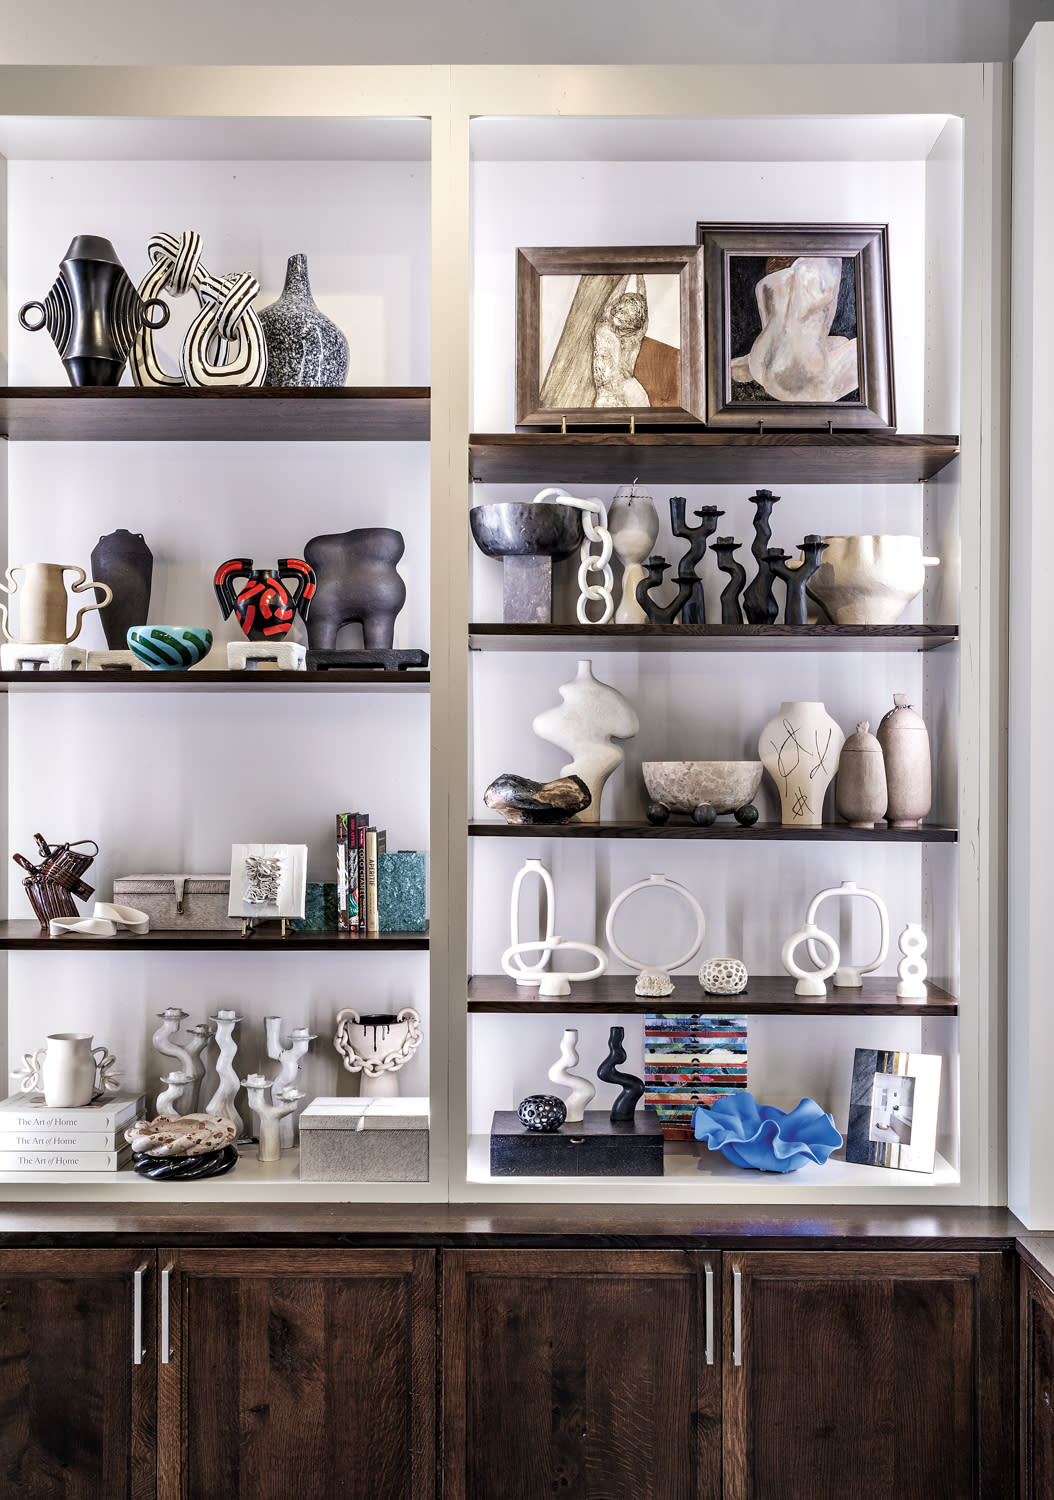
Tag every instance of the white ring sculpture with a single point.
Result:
(552, 985)
(850, 976)
(810, 983)
(531, 973)
(654, 979)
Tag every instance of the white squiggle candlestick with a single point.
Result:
(164, 1041)
(288, 1057)
(228, 1083)
(582, 1091)
(197, 1039)
(168, 1101)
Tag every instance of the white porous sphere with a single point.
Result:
(723, 976)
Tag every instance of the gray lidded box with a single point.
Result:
(364, 1140)
(174, 902)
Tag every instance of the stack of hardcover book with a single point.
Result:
(359, 843)
(35, 1137)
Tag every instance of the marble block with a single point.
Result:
(320, 908)
(364, 1140)
(17, 657)
(401, 890)
(282, 656)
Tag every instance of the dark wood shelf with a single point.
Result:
(724, 828)
(362, 680)
(710, 637)
(699, 456)
(22, 935)
(128, 413)
(766, 995)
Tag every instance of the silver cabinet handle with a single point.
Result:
(166, 1287)
(708, 1271)
(138, 1349)
(737, 1316)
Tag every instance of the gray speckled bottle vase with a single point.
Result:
(304, 347)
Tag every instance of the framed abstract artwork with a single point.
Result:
(268, 881)
(603, 335)
(893, 1110)
(797, 326)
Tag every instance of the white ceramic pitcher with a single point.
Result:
(70, 1070)
(43, 602)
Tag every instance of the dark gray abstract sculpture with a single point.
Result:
(759, 601)
(724, 549)
(693, 611)
(796, 575)
(632, 1087)
(124, 561)
(357, 584)
(661, 614)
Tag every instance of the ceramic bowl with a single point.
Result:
(516, 528)
(761, 1136)
(869, 580)
(683, 784)
(170, 648)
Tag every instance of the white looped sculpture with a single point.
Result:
(850, 976)
(531, 973)
(810, 983)
(654, 979)
(551, 985)
(582, 1090)
(596, 533)
(912, 968)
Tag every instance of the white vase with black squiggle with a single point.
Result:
(304, 347)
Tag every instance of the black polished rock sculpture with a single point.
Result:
(724, 549)
(759, 601)
(124, 562)
(542, 1112)
(185, 1168)
(520, 800)
(694, 610)
(356, 584)
(661, 614)
(608, 1072)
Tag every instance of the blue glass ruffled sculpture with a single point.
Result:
(761, 1136)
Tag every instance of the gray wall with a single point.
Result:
(515, 31)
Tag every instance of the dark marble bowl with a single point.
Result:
(515, 528)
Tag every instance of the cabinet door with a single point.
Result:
(868, 1376)
(579, 1373)
(1037, 1387)
(77, 1374)
(298, 1375)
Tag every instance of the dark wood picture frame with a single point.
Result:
(867, 246)
(684, 261)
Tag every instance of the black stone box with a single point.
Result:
(596, 1146)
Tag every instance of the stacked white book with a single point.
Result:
(35, 1137)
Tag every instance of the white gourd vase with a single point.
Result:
(799, 748)
(582, 1091)
(585, 724)
(633, 523)
(531, 973)
(850, 976)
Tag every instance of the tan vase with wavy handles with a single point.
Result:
(43, 602)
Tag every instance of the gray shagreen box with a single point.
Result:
(364, 1140)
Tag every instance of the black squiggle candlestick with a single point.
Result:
(694, 610)
(724, 550)
(759, 602)
(632, 1087)
(661, 614)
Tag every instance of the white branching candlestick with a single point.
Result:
(222, 1101)
(269, 1115)
(164, 1040)
(288, 1056)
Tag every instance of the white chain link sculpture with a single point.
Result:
(596, 533)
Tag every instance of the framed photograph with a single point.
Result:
(603, 335)
(893, 1110)
(268, 880)
(797, 325)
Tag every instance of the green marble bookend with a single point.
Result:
(401, 892)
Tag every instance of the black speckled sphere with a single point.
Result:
(703, 815)
(657, 813)
(746, 816)
(542, 1112)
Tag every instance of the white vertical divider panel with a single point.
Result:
(4, 378)
(1031, 802)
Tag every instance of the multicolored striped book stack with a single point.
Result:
(690, 1060)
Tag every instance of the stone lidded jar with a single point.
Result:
(304, 347)
(860, 794)
(123, 560)
(906, 750)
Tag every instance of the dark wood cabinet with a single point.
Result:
(297, 1373)
(868, 1376)
(77, 1375)
(1037, 1387)
(580, 1373)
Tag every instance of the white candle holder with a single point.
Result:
(810, 983)
(288, 1057)
(582, 1091)
(654, 979)
(531, 973)
(850, 976)
(912, 968)
(554, 985)
(227, 1083)
(269, 1115)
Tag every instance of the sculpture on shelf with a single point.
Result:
(520, 800)
(43, 602)
(810, 982)
(654, 979)
(357, 583)
(93, 312)
(288, 1055)
(551, 985)
(541, 1113)
(759, 602)
(870, 580)
(227, 1085)
(264, 606)
(124, 564)
(723, 976)
(765, 1138)
(911, 970)
(591, 717)
(596, 533)
(693, 611)
(269, 1113)
(905, 745)
(304, 347)
(182, 1148)
(796, 576)
(177, 1085)
(528, 536)
(377, 1047)
(178, 1098)
(582, 1090)
(52, 885)
(69, 1071)
(860, 794)
(702, 788)
(724, 550)
(224, 345)
(850, 976)
(661, 614)
(170, 648)
(531, 973)
(634, 525)
(608, 1072)
(799, 748)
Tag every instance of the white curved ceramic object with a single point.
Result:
(654, 979)
(850, 976)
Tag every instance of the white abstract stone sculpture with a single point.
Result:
(582, 1091)
(590, 717)
(377, 1047)
(912, 968)
(227, 1082)
(810, 983)
(552, 985)
(531, 973)
(850, 976)
(180, 1135)
(634, 525)
(288, 1056)
(269, 1115)
(654, 979)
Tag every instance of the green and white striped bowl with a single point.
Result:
(170, 648)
